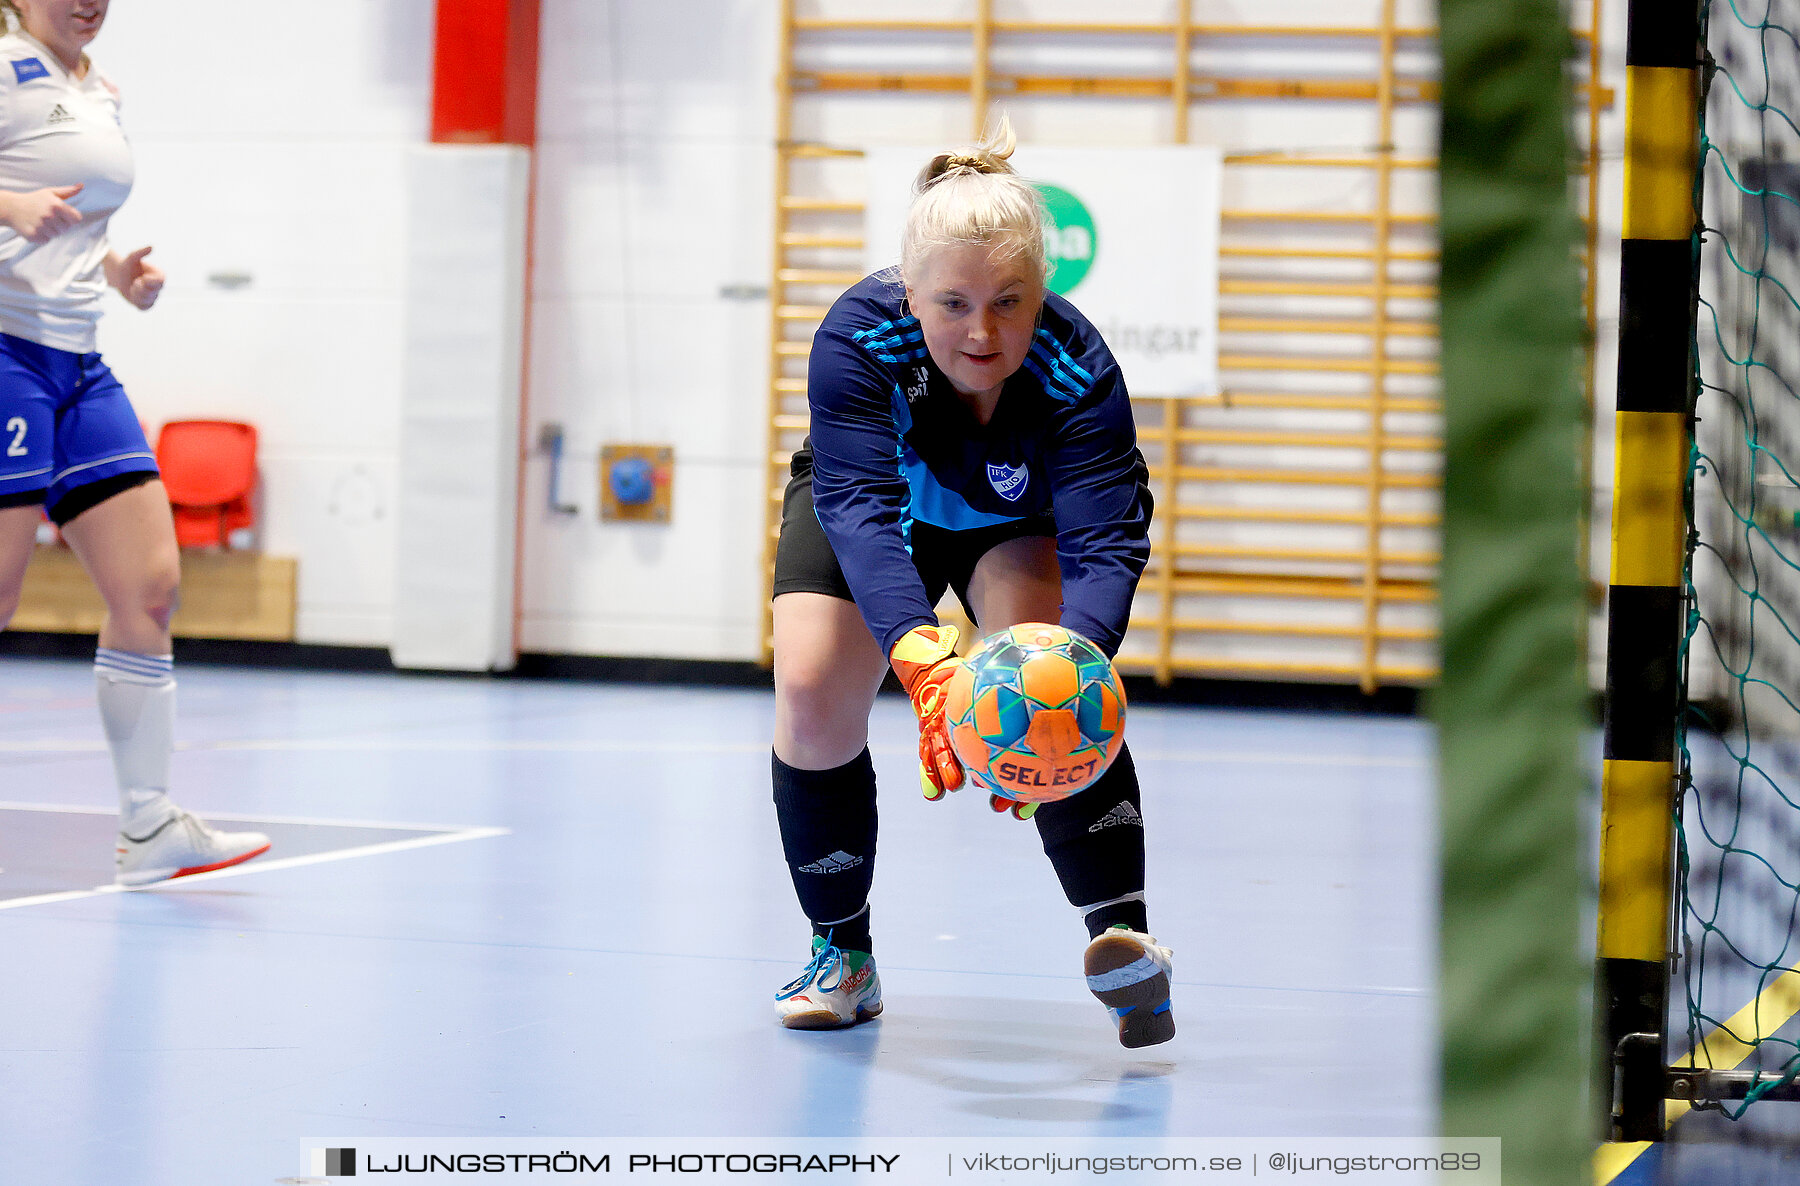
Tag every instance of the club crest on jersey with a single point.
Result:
(26, 69)
(1008, 481)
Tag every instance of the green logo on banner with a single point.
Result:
(1069, 238)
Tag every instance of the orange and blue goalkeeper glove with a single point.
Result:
(1000, 803)
(1020, 811)
(925, 660)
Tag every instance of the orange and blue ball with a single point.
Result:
(1038, 715)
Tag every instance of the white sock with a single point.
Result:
(1123, 898)
(137, 707)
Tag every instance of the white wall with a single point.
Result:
(271, 142)
(274, 145)
(654, 194)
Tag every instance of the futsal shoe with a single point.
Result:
(182, 846)
(1130, 975)
(838, 988)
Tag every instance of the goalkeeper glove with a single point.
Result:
(1020, 811)
(1000, 804)
(925, 660)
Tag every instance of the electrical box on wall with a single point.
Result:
(635, 482)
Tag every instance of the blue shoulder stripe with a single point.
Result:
(1045, 343)
(1063, 378)
(898, 342)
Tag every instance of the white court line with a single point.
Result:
(459, 745)
(246, 817)
(441, 836)
(54, 747)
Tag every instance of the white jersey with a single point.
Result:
(56, 129)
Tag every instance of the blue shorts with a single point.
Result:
(65, 423)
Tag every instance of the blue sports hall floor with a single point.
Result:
(513, 908)
(542, 909)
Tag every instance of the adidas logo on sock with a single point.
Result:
(1119, 816)
(59, 115)
(837, 862)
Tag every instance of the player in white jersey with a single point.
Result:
(70, 443)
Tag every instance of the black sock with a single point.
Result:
(1095, 842)
(827, 820)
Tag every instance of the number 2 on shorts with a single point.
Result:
(16, 426)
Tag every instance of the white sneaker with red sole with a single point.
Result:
(180, 847)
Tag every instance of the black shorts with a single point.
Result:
(805, 563)
(80, 498)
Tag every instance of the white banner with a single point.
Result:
(1134, 245)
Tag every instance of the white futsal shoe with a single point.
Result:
(1130, 974)
(838, 988)
(181, 846)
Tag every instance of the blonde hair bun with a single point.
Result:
(990, 156)
(973, 195)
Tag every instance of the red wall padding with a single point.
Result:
(484, 82)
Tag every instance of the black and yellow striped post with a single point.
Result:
(1658, 278)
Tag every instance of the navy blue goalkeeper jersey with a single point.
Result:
(893, 445)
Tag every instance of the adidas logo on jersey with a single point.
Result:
(1118, 817)
(59, 115)
(837, 862)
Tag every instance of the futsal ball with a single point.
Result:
(1037, 715)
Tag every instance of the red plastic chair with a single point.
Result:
(209, 469)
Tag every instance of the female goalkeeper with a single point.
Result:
(969, 431)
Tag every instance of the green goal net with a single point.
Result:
(1733, 990)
